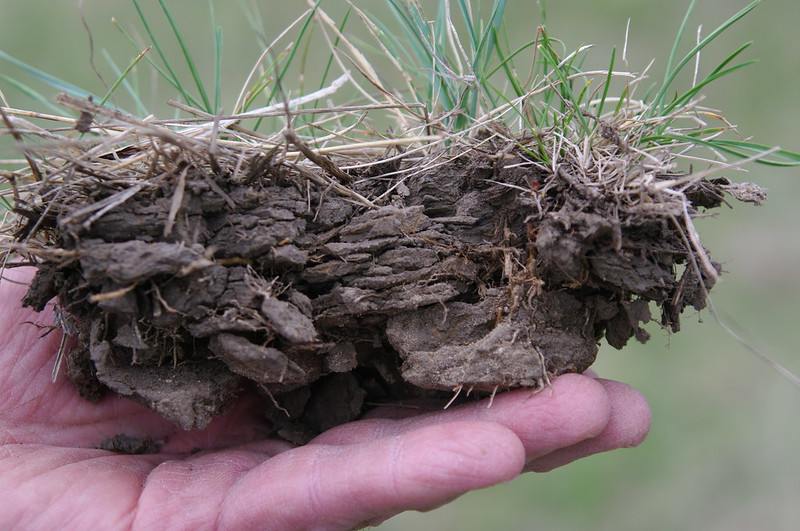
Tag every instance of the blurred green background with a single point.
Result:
(722, 453)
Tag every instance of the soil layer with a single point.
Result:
(480, 274)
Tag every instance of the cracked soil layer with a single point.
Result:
(470, 276)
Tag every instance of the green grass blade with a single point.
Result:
(417, 38)
(129, 88)
(486, 44)
(282, 73)
(440, 26)
(514, 108)
(263, 82)
(121, 77)
(582, 94)
(327, 70)
(6, 204)
(607, 84)
(728, 60)
(678, 38)
(292, 52)
(32, 94)
(218, 69)
(437, 83)
(48, 79)
(217, 31)
(740, 149)
(685, 98)
(400, 52)
(550, 56)
(717, 73)
(671, 76)
(186, 56)
(393, 43)
(625, 94)
(443, 67)
(169, 75)
(420, 22)
(440, 36)
(486, 47)
(783, 157)
(429, 66)
(505, 64)
(674, 52)
(466, 13)
(542, 12)
(511, 57)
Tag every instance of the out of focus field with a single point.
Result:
(723, 451)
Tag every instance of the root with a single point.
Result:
(456, 393)
(491, 397)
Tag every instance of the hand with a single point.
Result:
(229, 476)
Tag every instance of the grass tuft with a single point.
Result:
(460, 74)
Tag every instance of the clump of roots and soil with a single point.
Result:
(438, 242)
(192, 269)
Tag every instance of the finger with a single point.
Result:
(416, 408)
(187, 493)
(573, 409)
(628, 427)
(333, 487)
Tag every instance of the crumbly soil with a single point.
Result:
(127, 444)
(476, 275)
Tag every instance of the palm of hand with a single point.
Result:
(229, 476)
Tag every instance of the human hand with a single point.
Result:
(229, 476)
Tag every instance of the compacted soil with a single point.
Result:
(188, 288)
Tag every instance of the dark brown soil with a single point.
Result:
(470, 276)
(126, 444)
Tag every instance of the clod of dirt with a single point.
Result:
(457, 343)
(127, 444)
(200, 282)
(189, 394)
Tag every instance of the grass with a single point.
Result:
(121, 78)
(455, 60)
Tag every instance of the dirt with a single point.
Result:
(474, 275)
(131, 445)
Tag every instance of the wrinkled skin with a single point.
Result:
(363, 472)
